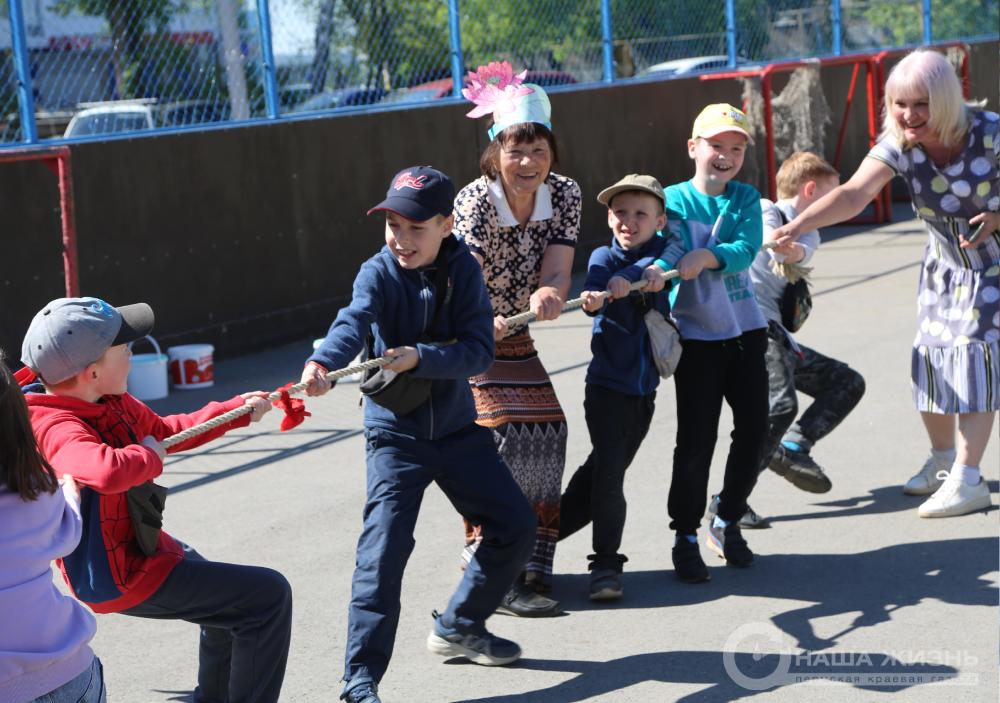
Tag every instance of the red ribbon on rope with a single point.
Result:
(294, 408)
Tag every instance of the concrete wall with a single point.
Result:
(250, 236)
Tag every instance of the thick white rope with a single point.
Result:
(297, 388)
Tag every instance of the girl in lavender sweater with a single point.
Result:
(44, 652)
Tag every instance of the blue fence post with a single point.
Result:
(22, 66)
(271, 101)
(731, 32)
(835, 20)
(608, 38)
(457, 59)
(927, 22)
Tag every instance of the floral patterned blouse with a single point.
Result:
(512, 254)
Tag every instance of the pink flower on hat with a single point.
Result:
(493, 88)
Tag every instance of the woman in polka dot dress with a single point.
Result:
(947, 150)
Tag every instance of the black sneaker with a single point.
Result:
(750, 520)
(362, 690)
(800, 470)
(729, 544)
(688, 564)
(523, 602)
(605, 584)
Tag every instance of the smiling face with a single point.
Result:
(717, 160)
(912, 113)
(416, 244)
(635, 217)
(524, 166)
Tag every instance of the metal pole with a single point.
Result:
(457, 59)
(271, 100)
(927, 22)
(71, 268)
(22, 66)
(608, 41)
(835, 20)
(731, 32)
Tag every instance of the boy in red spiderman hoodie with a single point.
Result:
(87, 425)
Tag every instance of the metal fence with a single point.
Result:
(84, 69)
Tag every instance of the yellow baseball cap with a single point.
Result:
(718, 118)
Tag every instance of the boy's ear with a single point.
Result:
(447, 225)
(808, 189)
(89, 374)
(661, 221)
(691, 145)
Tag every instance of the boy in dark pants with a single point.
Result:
(714, 227)
(88, 426)
(621, 379)
(422, 301)
(792, 367)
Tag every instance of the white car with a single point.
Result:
(689, 65)
(111, 117)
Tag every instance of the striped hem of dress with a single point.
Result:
(960, 379)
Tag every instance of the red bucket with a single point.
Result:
(192, 365)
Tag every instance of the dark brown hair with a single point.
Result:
(23, 469)
(521, 133)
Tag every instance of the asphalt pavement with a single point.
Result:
(852, 597)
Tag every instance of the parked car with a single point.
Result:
(136, 115)
(112, 117)
(330, 99)
(693, 64)
(442, 88)
(192, 112)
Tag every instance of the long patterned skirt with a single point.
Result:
(515, 399)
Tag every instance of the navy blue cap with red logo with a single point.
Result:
(419, 193)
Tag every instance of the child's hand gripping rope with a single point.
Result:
(316, 380)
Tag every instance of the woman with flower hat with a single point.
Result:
(947, 151)
(521, 222)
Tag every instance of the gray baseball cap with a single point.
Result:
(69, 334)
(633, 181)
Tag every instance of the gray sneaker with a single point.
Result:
(750, 520)
(480, 648)
(362, 690)
(799, 469)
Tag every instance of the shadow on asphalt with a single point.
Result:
(225, 445)
(762, 673)
(873, 584)
(886, 499)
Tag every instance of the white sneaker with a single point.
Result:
(925, 481)
(955, 497)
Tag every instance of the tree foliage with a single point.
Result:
(129, 21)
(903, 22)
(395, 43)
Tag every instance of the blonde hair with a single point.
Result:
(800, 167)
(927, 72)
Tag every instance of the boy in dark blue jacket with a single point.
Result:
(622, 377)
(422, 301)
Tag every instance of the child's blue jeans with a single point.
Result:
(465, 465)
(88, 687)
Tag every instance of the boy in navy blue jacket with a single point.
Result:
(422, 301)
(622, 377)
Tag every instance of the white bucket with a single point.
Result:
(147, 379)
(191, 366)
